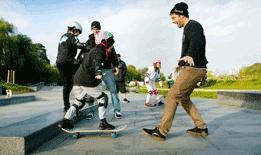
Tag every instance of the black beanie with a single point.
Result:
(96, 24)
(180, 9)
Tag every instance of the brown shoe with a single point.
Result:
(155, 133)
(198, 132)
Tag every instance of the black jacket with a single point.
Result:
(67, 49)
(90, 67)
(194, 43)
(122, 71)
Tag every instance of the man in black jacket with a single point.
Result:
(67, 51)
(87, 80)
(192, 69)
(120, 78)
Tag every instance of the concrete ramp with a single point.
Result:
(24, 127)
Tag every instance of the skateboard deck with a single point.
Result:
(155, 102)
(77, 131)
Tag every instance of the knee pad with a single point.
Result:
(103, 100)
(77, 107)
(155, 92)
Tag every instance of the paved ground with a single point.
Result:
(233, 131)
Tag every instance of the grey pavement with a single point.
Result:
(232, 130)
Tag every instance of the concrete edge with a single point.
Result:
(249, 100)
(16, 99)
(27, 144)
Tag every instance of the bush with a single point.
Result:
(210, 82)
(16, 89)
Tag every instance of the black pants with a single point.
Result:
(67, 71)
(120, 85)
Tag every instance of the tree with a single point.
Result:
(132, 74)
(253, 71)
(27, 59)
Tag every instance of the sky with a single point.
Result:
(143, 30)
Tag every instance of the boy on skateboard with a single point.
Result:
(151, 76)
(87, 80)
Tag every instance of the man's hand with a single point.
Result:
(147, 80)
(177, 69)
(116, 70)
(98, 77)
(188, 59)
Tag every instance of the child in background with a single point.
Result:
(151, 76)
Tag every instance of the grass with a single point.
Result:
(233, 84)
(196, 93)
(204, 94)
(249, 84)
(16, 89)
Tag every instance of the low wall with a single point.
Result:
(246, 99)
(16, 99)
(37, 86)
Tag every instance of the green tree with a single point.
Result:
(27, 59)
(132, 73)
(252, 72)
(142, 72)
(162, 77)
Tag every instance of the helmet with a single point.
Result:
(76, 26)
(156, 61)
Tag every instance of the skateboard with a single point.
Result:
(155, 102)
(76, 132)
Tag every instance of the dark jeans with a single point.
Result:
(67, 71)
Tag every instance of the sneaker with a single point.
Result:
(160, 103)
(90, 115)
(198, 132)
(125, 100)
(104, 125)
(118, 115)
(155, 133)
(66, 124)
(148, 104)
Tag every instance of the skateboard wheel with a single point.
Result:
(76, 136)
(114, 135)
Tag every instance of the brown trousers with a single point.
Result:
(180, 92)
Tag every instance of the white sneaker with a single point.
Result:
(118, 115)
(90, 115)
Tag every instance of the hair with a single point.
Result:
(110, 41)
(180, 9)
(96, 24)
